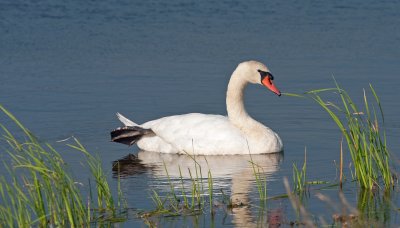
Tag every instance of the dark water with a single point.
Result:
(67, 67)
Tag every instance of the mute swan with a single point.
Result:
(205, 134)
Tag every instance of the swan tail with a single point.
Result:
(126, 121)
(129, 135)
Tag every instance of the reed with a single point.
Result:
(210, 191)
(299, 176)
(261, 181)
(39, 189)
(366, 138)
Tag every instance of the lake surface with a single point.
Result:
(66, 68)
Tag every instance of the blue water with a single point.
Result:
(67, 67)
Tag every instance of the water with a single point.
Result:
(67, 67)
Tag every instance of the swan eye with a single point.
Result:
(265, 74)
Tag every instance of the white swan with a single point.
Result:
(205, 134)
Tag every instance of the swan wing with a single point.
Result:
(194, 133)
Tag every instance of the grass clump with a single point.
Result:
(366, 139)
(39, 190)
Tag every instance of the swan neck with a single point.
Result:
(237, 113)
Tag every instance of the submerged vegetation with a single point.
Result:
(40, 190)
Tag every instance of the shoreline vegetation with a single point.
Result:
(365, 134)
(38, 188)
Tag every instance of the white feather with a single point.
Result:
(126, 121)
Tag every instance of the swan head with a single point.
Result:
(257, 73)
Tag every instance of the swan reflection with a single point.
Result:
(233, 173)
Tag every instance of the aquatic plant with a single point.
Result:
(373, 209)
(375, 206)
(261, 181)
(191, 203)
(366, 139)
(40, 190)
(210, 191)
(299, 176)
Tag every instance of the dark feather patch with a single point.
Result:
(129, 135)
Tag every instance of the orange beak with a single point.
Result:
(267, 82)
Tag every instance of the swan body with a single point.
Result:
(206, 134)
